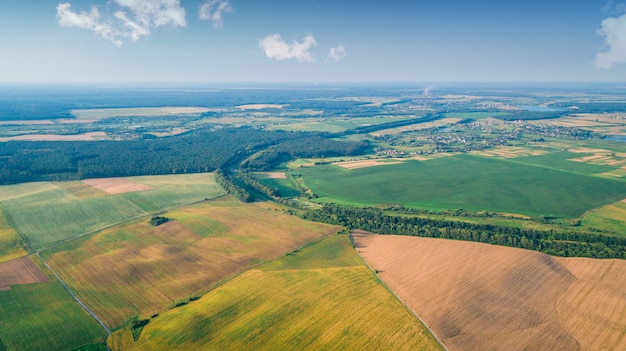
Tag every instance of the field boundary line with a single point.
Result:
(396, 295)
(80, 303)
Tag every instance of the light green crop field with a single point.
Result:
(53, 215)
(541, 187)
(137, 269)
(174, 190)
(46, 212)
(320, 297)
(44, 316)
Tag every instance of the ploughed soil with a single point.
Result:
(20, 271)
(482, 297)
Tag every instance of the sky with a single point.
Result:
(316, 41)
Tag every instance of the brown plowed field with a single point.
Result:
(116, 185)
(20, 271)
(483, 297)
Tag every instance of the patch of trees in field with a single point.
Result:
(567, 244)
(158, 220)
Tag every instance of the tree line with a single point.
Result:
(198, 151)
(567, 244)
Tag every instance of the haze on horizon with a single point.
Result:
(80, 41)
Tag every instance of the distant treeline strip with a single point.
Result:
(396, 124)
(306, 146)
(570, 244)
(198, 151)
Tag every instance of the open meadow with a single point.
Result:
(136, 269)
(320, 297)
(482, 297)
(48, 212)
(549, 185)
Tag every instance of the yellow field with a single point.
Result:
(318, 298)
(11, 244)
(138, 269)
(610, 217)
(510, 152)
(482, 297)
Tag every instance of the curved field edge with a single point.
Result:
(477, 296)
(136, 270)
(320, 297)
(470, 182)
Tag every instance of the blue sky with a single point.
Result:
(312, 41)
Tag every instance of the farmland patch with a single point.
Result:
(20, 271)
(43, 316)
(138, 269)
(478, 297)
(316, 298)
(116, 185)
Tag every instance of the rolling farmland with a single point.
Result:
(320, 297)
(138, 270)
(46, 212)
(480, 297)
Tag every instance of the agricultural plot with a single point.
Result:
(138, 269)
(611, 218)
(46, 213)
(320, 297)
(44, 316)
(20, 271)
(98, 114)
(483, 297)
(173, 191)
(540, 185)
(12, 245)
(280, 182)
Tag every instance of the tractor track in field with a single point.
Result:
(80, 303)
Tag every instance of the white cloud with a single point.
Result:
(134, 18)
(614, 31)
(276, 48)
(213, 10)
(155, 13)
(136, 30)
(84, 20)
(336, 53)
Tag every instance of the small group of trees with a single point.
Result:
(158, 220)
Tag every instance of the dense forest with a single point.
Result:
(198, 151)
(566, 244)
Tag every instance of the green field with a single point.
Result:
(46, 212)
(320, 297)
(44, 316)
(285, 186)
(174, 190)
(137, 269)
(473, 183)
